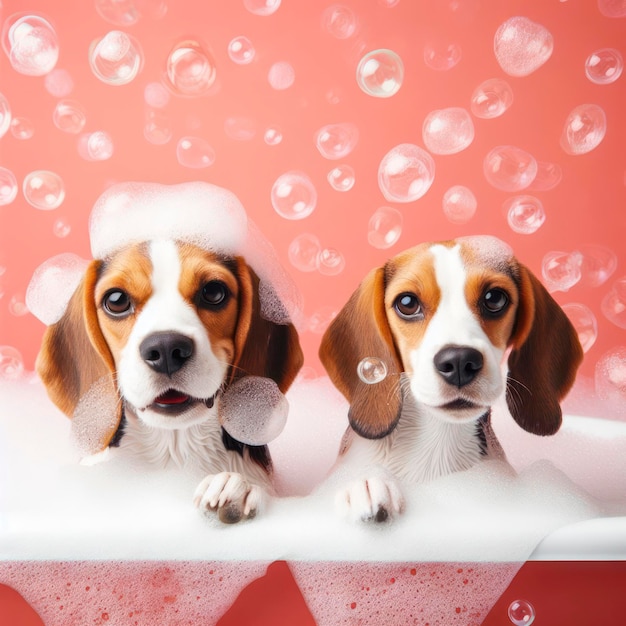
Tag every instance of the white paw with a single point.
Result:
(372, 499)
(230, 495)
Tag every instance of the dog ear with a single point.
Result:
(545, 356)
(361, 330)
(263, 347)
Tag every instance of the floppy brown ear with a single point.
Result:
(543, 362)
(361, 330)
(263, 347)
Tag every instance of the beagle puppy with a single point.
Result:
(445, 319)
(165, 327)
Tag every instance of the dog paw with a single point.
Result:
(230, 495)
(372, 499)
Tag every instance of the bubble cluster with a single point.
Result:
(372, 370)
(11, 363)
(118, 12)
(31, 43)
(22, 128)
(442, 56)
(59, 83)
(190, 69)
(336, 141)
(96, 146)
(610, 376)
(491, 98)
(116, 58)
(584, 322)
(43, 190)
(604, 66)
(380, 73)
(548, 176)
(339, 21)
(69, 116)
(341, 178)
(8, 186)
(448, 131)
(509, 168)
(384, 227)
(584, 129)
(561, 270)
(614, 303)
(303, 252)
(522, 46)
(241, 50)
(294, 196)
(262, 7)
(524, 214)
(405, 173)
(330, 262)
(521, 613)
(194, 152)
(459, 204)
(281, 75)
(598, 264)
(5, 115)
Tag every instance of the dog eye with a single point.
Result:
(214, 294)
(495, 301)
(408, 306)
(117, 303)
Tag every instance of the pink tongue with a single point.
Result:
(172, 397)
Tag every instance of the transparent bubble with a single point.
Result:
(459, 204)
(321, 319)
(604, 66)
(509, 168)
(262, 7)
(384, 227)
(11, 363)
(442, 56)
(521, 613)
(190, 69)
(156, 96)
(548, 176)
(69, 116)
(96, 146)
(59, 83)
(614, 303)
(194, 152)
(491, 98)
(371, 370)
(22, 128)
(610, 377)
(330, 262)
(253, 410)
(522, 46)
(240, 128)
(281, 76)
(561, 270)
(241, 50)
(17, 306)
(294, 196)
(612, 8)
(44, 190)
(448, 131)
(8, 186)
(61, 228)
(303, 252)
(380, 73)
(118, 12)
(336, 141)
(585, 323)
(389, 4)
(598, 265)
(405, 173)
(272, 136)
(584, 129)
(5, 115)
(341, 178)
(158, 128)
(339, 21)
(524, 214)
(116, 59)
(31, 44)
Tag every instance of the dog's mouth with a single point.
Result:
(175, 402)
(459, 404)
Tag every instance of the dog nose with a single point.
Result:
(458, 365)
(166, 352)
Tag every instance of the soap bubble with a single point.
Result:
(491, 98)
(548, 176)
(96, 146)
(522, 46)
(44, 190)
(240, 128)
(61, 228)
(339, 21)
(612, 8)
(584, 129)
(157, 128)
(442, 56)
(281, 76)
(156, 96)
(585, 323)
(521, 613)
(119, 12)
(341, 178)
(509, 168)
(194, 152)
(604, 66)
(614, 303)
(262, 7)
(380, 73)
(610, 376)
(5, 115)
(321, 319)
(8, 186)
(11, 363)
(294, 196)
(69, 116)
(330, 262)
(459, 204)
(241, 50)
(524, 214)
(116, 58)
(303, 252)
(190, 69)
(272, 136)
(384, 227)
(371, 370)
(561, 270)
(448, 131)
(405, 173)
(336, 141)
(22, 128)
(598, 265)
(253, 410)
(59, 83)
(17, 307)
(31, 44)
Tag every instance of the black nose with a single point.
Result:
(166, 352)
(458, 365)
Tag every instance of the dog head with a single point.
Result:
(446, 315)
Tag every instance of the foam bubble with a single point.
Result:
(522, 46)
(490, 250)
(59, 83)
(448, 131)
(116, 58)
(11, 363)
(281, 75)
(96, 146)
(614, 303)
(459, 204)
(31, 43)
(610, 377)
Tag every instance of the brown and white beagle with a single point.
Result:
(165, 327)
(445, 319)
